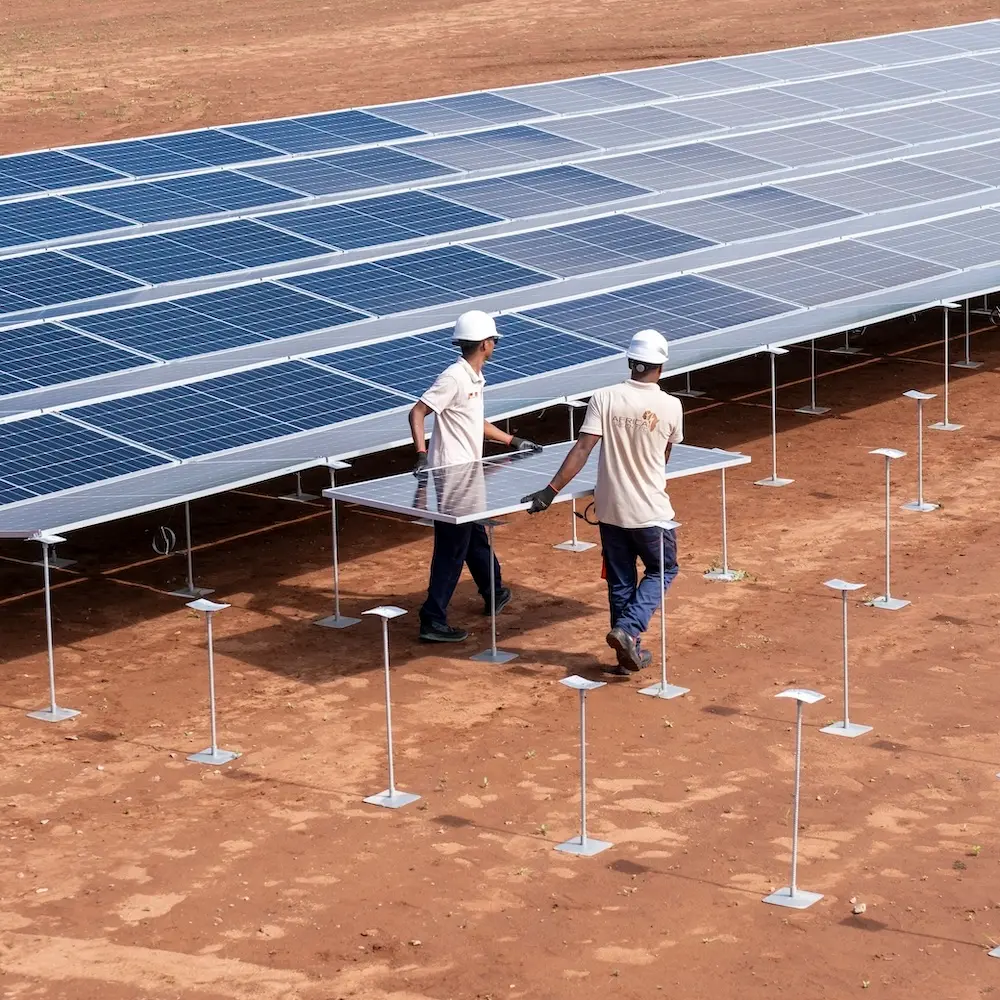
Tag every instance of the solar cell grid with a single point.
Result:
(794, 281)
(226, 190)
(694, 78)
(935, 243)
(11, 186)
(375, 289)
(245, 243)
(928, 123)
(212, 147)
(51, 170)
(153, 259)
(358, 127)
(49, 354)
(797, 64)
(144, 203)
(497, 148)
(985, 104)
(43, 454)
(859, 91)
(954, 74)
(984, 225)
(887, 50)
(408, 364)
(752, 108)
(585, 94)
(631, 127)
(52, 219)
(970, 163)
(879, 267)
(137, 158)
(489, 107)
(817, 142)
(51, 277)
(289, 135)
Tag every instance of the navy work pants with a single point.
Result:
(456, 545)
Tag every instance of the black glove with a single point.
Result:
(522, 444)
(420, 469)
(540, 500)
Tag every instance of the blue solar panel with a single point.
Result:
(415, 280)
(204, 250)
(375, 221)
(677, 307)
(210, 146)
(498, 148)
(359, 126)
(52, 219)
(594, 244)
(225, 190)
(138, 158)
(408, 364)
(47, 278)
(490, 107)
(52, 170)
(237, 409)
(10, 186)
(354, 171)
(289, 135)
(539, 191)
(48, 354)
(46, 454)
(144, 202)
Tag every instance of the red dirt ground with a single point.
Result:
(126, 872)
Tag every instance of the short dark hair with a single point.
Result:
(469, 349)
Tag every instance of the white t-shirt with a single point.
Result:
(635, 422)
(456, 397)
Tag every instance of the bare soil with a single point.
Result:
(126, 872)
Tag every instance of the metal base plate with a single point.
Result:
(53, 714)
(942, 426)
(923, 508)
(725, 575)
(336, 621)
(847, 350)
(299, 497)
(494, 656)
(888, 603)
(850, 729)
(585, 848)
(802, 899)
(967, 364)
(572, 546)
(813, 411)
(689, 393)
(191, 592)
(665, 691)
(995, 953)
(772, 481)
(392, 800)
(206, 756)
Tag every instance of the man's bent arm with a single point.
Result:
(418, 414)
(493, 433)
(574, 461)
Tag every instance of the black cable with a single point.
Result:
(586, 511)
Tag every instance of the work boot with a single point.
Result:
(623, 667)
(626, 649)
(502, 598)
(441, 632)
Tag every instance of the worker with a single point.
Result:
(460, 428)
(637, 424)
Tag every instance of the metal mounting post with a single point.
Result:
(774, 479)
(663, 689)
(336, 620)
(886, 601)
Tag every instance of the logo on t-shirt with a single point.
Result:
(649, 420)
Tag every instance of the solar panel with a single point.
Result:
(216, 321)
(191, 253)
(47, 278)
(890, 49)
(928, 123)
(965, 36)
(239, 408)
(358, 126)
(631, 127)
(354, 171)
(44, 454)
(817, 142)
(702, 77)
(593, 245)
(955, 74)
(973, 163)
(539, 191)
(52, 219)
(585, 94)
(985, 104)
(415, 280)
(677, 307)
(755, 107)
(48, 354)
(452, 114)
(10, 186)
(498, 148)
(747, 214)
(859, 91)
(289, 135)
(212, 147)
(936, 243)
(797, 64)
(225, 190)
(375, 221)
(144, 203)
(137, 158)
(51, 170)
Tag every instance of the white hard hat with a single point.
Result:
(473, 327)
(649, 347)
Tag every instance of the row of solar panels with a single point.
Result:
(186, 198)
(148, 429)
(68, 278)
(23, 174)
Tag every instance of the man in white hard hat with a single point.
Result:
(637, 424)
(460, 428)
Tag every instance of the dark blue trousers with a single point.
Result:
(633, 601)
(456, 545)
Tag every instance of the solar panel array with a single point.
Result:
(162, 326)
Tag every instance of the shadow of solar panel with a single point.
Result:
(47, 278)
(43, 454)
(137, 158)
(539, 191)
(226, 190)
(51, 170)
(49, 354)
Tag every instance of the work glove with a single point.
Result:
(522, 444)
(420, 469)
(540, 500)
